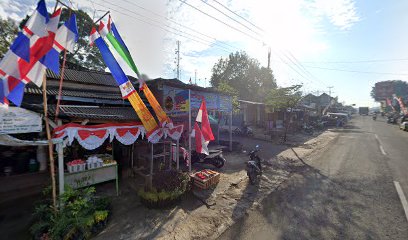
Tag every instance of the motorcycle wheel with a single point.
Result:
(219, 162)
(252, 176)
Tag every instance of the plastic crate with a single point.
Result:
(93, 165)
(76, 168)
(206, 183)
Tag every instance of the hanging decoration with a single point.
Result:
(126, 88)
(110, 32)
(93, 136)
(33, 51)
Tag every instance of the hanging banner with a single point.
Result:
(176, 101)
(161, 115)
(19, 120)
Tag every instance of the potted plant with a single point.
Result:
(168, 188)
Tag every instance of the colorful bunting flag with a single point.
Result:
(116, 41)
(126, 88)
(35, 28)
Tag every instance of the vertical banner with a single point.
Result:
(161, 115)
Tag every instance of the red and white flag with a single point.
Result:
(204, 135)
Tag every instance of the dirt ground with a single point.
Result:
(207, 214)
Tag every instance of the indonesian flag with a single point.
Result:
(200, 142)
(202, 117)
(204, 135)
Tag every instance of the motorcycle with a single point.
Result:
(243, 131)
(391, 120)
(253, 166)
(215, 158)
(307, 129)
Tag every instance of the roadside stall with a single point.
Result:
(103, 167)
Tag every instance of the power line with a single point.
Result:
(238, 15)
(255, 38)
(226, 24)
(250, 29)
(345, 70)
(294, 60)
(364, 61)
(175, 22)
(202, 41)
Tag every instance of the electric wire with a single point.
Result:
(177, 23)
(231, 17)
(238, 15)
(178, 33)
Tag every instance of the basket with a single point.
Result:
(93, 165)
(76, 168)
(206, 183)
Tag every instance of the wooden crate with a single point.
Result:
(206, 183)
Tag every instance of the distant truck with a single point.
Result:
(363, 110)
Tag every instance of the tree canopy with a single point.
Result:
(284, 97)
(8, 31)
(399, 88)
(243, 75)
(84, 55)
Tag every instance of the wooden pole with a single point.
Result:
(50, 146)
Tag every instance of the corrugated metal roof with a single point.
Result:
(88, 77)
(95, 112)
(72, 93)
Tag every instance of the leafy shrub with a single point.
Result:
(168, 187)
(77, 214)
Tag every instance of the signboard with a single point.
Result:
(176, 101)
(19, 120)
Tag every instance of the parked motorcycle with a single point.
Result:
(215, 158)
(246, 131)
(392, 120)
(307, 129)
(254, 166)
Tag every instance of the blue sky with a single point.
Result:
(311, 36)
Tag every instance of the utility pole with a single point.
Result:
(195, 77)
(178, 60)
(330, 90)
(269, 58)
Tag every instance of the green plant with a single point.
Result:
(79, 210)
(100, 216)
(168, 187)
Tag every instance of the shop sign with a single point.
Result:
(19, 120)
(176, 101)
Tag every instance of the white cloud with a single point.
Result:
(340, 13)
(296, 26)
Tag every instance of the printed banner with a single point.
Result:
(19, 120)
(176, 101)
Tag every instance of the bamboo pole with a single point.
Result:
(50, 146)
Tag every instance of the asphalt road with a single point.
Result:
(347, 191)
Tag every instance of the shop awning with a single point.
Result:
(93, 136)
(8, 140)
